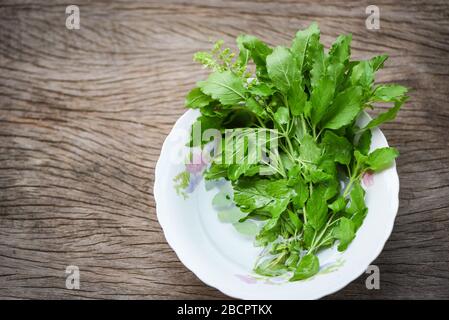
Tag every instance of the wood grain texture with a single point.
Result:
(83, 115)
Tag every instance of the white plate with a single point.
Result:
(223, 258)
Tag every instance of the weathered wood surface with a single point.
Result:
(83, 115)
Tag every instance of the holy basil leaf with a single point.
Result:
(386, 116)
(308, 266)
(231, 215)
(313, 173)
(244, 54)
(282, 69)
(364, 143)
(216, 171)
(261, 89)
(197, 99)
(360, 159)
(309, 150)
(340, 50)
(317, 61)
(296, 100)
(222, 200)
(381, 158)
(337, 148)
(321, 98)
(225, 87)
(338, 205)
(237, 170)
(270, 267)
(275, 215)
(378, 62)
(362, 74)
(255, 107)
(331, 188)
(309, 234)
(316, 209)
(282, 116)
(388, 93)
(202, 124)
(247, 227)
(256, 194)
(258, 51)
(302, 41)
(357, 209)
(301, 193)
(345, 232)
(295, 220)
(344, 109)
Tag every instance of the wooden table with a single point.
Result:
(83, 114)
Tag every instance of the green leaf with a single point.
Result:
(251, 194)
(244, 54)
(236, 170)
(202, 124)
(318, 62)
(276, 208)
(197, 99)
(331, 187)
(255, 107)
(296, 98)
(338, 205)
(364, 143)
(309, 233)
(314, 174)
(344, 109)
(261, 89)
(385, 116)
(360, 158)
(222, 200)
(247, 228)
(292, 260)
(340, 50)
(362, 74)
(378, 62)
(336, 71)
(270, 267)
(258, 51)
(309, 150)
(225, 87)
(216, 171)
(381, 158)
(301, 193)
(308, 266)
(321, 98)
(316, 209)
(302, 42)
(282, 69)
(389, 93)
(337, 148)
(232, 215)
(282, 116)
(357, 209)
(295, 220)
(345, 232)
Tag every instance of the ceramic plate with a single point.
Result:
(223, 258)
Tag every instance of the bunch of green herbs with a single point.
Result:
(313, 99)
